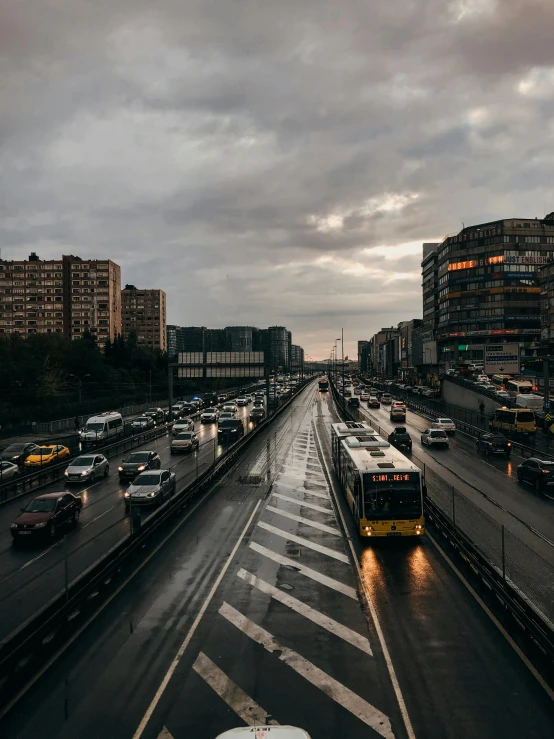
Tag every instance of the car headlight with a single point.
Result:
(13, 526)
(41, 525)
(15, 458)
(120, 469)
(141, 468)
(66, 473)
(151, 495)
(127, 494)
(85, 473)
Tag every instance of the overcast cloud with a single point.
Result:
(272, 162)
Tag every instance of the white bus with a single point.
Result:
(519, 387)
(499, 381)
(383, 488)
(342, 430)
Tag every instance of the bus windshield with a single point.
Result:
(392, 495)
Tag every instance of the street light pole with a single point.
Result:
(80, 381)
(342, 345)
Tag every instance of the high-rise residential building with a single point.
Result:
(93, 289)
(68, 295)
(242, 338)
(144, 313)
(377, 352)
(546, 280)
(32, 296)
(488, 287)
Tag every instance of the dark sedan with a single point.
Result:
(138, 462)
(536, 472)
(494, 444)
(401, 439)
(18, 453)
(45, 515)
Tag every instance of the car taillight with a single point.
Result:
(489, 443)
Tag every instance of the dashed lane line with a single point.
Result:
(334, 627)
(370, 715)
(306, 571)
(304, 542)
(305, 521)
(240, 702)
(313, 506)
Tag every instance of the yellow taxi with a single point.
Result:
(46, 455)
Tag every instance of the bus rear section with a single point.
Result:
(383, 488)
(500, 381)
(514, 421)
(519, 387)
(323, 385)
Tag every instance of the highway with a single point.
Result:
(30, 575)
(250, 613)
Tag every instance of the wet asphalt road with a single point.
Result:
(34, 572)
(284, 637)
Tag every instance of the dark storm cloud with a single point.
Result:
(276, 162)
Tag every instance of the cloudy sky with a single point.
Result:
(272, 162)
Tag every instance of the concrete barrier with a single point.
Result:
(463, 397)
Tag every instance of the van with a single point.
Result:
(513, 420)
(535, 402)
(102, 427)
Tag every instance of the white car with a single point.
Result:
(230, 408)
(364, 396)
(243, 400)
(8, 470)
(386, 399)
(183, 424)
(210, 415)
(227, 414)
(435, 437)
(447, 424)
(184, 442)
(502, 395)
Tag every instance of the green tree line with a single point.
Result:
(39, 376)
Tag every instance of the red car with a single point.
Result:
(45, 515)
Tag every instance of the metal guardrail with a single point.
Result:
(521, 578)
(25, 650)
(53, 472)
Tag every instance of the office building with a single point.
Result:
(144, 313)
(430, 287)
(69, 296)
(297, 358)
(275, 343)
(364, 356)
(546, 282)
(488, 287)
(174, 340)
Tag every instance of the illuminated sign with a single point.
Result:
(462, 265)
(463, 347)
(496, 260)
(395, 477)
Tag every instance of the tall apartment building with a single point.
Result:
(144, 312)
(174, 340)
(430, 287)
(364, 353)
(68, 296)
(93, 295)
(488, 287)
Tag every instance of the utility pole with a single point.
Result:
(342, 344)
(80, 381)
(170, 387)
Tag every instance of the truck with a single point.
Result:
(534, 402)
(323, 384)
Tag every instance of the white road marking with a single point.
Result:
(304, 542)
(384, 647)
(240, 702)
(307, 571)
(334, 627)
(146, 718)
(363, 710)
(306, 521)
(313, 506)
(165, 734)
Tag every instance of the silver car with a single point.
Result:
(150, 488)
(87, 468)
(209, 416)
(185, 424)
(143, 423)
(8, 470)
(184, 442)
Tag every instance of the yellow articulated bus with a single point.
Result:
(383, 488)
